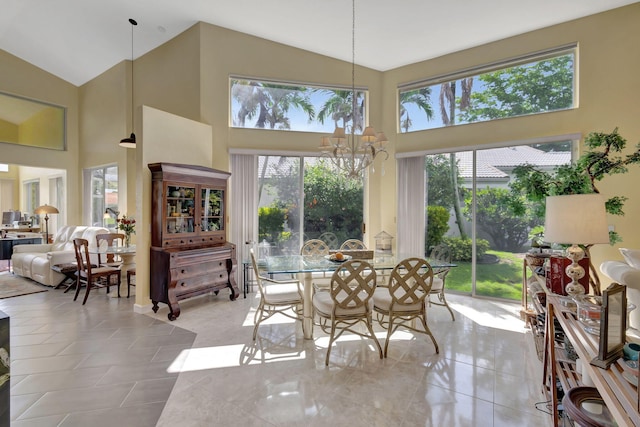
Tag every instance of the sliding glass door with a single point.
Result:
(303, 198)
(470, 208)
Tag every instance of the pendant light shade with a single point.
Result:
(130, 142)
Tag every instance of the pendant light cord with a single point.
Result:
(133, 24)
(353, 70)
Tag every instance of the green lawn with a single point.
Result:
(500, 280)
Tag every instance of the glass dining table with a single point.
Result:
(304, 266)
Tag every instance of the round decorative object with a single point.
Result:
(536, 260)
(631, 351)
(585, 406)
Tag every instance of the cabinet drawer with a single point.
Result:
(199, 269)
(194, 284)
(198, 257)
(180, 242)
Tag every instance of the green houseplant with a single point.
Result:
(602, 158)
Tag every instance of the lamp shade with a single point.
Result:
(45, 209)
(576, 219)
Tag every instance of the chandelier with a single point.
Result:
(350, 153)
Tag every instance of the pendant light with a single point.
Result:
(350, 153)
(131, 141)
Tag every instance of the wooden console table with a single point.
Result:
(619, 395)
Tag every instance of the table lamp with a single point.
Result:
(577, 219)
(46, 210)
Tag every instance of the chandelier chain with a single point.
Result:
(348, 153)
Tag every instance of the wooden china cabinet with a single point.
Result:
(189, 252)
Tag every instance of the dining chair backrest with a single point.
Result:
(110, 240)
(81, 247)
(441, 252)
(410, 282)
(353, 285)
(330, 239)
(352, 245)
(314, 247)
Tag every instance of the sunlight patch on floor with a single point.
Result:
(226, 356)
(504, 321)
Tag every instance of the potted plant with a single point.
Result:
(603, 157)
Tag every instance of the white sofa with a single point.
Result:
(627, 273)
(35, 261)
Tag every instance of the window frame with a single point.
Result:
(477, 71)
(326, 127)
(88, 180)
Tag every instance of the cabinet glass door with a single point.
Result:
(211, 209)
(180, 209)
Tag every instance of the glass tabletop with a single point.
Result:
(114, 250)
(313, 263)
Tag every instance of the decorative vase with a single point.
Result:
(127, 240)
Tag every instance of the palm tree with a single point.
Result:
(339, 107)
(270, 102)
(421, 98)
(448, 114)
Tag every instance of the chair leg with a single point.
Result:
(119, 282)
(257, 318)
(446, 304)
(128, 284)
(389, 332)
(428, 332)
(331, 339)
(373, 335)
(86, 295)
(78, 283)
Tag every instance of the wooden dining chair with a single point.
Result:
(113, 260)
(109, 240)
(440, 253)
(404, 300)
(89, 275)
(348, 303)
(276, 296)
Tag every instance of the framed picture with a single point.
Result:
(613, 326)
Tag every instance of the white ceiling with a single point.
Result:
(77, 40)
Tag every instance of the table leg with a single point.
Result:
(307, 307)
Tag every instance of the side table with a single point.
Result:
(69, 270)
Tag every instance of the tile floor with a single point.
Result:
(103, 365)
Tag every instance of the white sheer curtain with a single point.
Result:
(411, 206)
(244, 205)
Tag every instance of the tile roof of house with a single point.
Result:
(497, 162)
(493, 163)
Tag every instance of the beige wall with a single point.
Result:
(188, 77)
(23, 79)
(607, 89)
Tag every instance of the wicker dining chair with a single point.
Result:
(404, 300)
(440, 253)
(276, 296)
(348, 303)
(352, 245)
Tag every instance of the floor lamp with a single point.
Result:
(46, 210)
(576, 219)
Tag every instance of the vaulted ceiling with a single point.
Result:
(77, 40)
